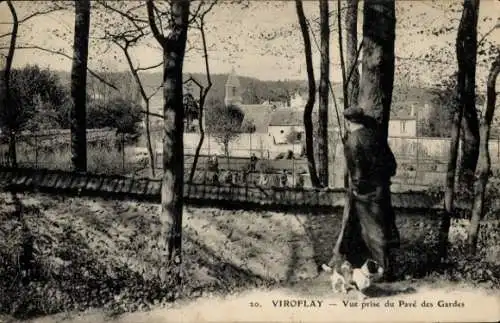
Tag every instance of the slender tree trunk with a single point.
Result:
(78, 86)
(8, 104)
(377, 78)
(449, 193)
(323, 93)
(308, 125)
(174, 47)
(484, 165)
(350, 78)
(152, 162)
(467, 40)
(142, 94)
(201, 105)
(351, 22)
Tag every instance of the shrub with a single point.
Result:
(37, 99)
(123, 115)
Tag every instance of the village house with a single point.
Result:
(403, 122)
(256, 114)
(286, 126)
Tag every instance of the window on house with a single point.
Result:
(299, 136)
(403, 126)
(282, 131)
(233, 91)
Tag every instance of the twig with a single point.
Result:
(152, 23)
(138, 69)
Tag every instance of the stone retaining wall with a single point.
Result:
(61, 182)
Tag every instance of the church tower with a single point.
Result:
(233, 95)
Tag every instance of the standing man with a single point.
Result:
(371, 230)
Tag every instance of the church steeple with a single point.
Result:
(233, 94)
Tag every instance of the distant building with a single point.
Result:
(257, 114)
(403, 123)
(285, 122)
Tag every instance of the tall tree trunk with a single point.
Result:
(377, 78)
(350, 78)
(174, 47)
(308, 125)
(467, 41)
(484, 165)
(351, 22)
(323, 93)
(8, 104)
(79, 85)
(449, 193)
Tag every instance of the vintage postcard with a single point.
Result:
(249, 161)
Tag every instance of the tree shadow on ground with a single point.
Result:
(416, 257)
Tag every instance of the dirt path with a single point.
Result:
(317, 304)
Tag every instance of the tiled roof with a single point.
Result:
(258, 114)
(403, 111)
(289, 117)
(286, 117)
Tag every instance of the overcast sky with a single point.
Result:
(262, 41)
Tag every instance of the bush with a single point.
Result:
(38, 100)
(123, 115)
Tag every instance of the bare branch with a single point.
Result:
(138, 69)
(155, 91)
(6, 35)
(192, 79)
(152, 23)
(153, 114)
(197, 11)
(205, 56)
(40, 13)
(127, 15)
(51, 51)
(210, 7)
(480, 42)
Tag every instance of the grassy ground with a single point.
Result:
(92, 253)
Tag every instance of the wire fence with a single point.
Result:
(249, 160)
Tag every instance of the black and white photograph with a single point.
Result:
(249, 161)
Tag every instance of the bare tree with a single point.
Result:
(174, 46)
(6, 91)
(467, 57)
(465, 42)
(199, 23)
(308, 125)
(323, 93)
(484, 163)
(126, 33)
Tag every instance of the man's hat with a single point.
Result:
(355, 114)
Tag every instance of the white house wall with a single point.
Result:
(396, 128)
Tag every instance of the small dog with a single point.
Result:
(345, 278)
